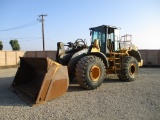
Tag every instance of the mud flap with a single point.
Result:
(39, 80)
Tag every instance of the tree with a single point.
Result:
(14, 44)
(1, 45)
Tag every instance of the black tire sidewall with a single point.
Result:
(91, 63)
(83, 72)
(127, 62)
(134, 62)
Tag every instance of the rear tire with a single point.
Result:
(129, 69)
(90, 72)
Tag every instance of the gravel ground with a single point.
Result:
(114, 100)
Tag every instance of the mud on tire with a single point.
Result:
(90, 72)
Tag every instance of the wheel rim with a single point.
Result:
(95, 73)
(132, 69)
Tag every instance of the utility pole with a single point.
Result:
(42, 20)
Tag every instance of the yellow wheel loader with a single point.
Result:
(40, 79)
(107, 54)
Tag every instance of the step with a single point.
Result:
(113, 58)
(118, 68)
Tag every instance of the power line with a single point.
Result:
(21, 26)
(22, 39)
(26, 38)
(42, 20)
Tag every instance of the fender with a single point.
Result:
(75, 58)
(135, 54)
(78, 55)
(102, 56)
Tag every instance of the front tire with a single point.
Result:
(90, 72)
(129, 69)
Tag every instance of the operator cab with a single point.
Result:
(108, 37)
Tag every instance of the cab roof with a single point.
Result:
(107, 26)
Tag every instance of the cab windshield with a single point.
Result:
(99, 33)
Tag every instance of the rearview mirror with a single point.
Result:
(90, 33)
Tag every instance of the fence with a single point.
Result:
(9, 58)
(50, 54)
(151, 57)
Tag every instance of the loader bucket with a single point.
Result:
(40, 79)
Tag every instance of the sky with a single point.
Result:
(68, 20)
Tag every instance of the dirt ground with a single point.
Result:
(114, 99)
